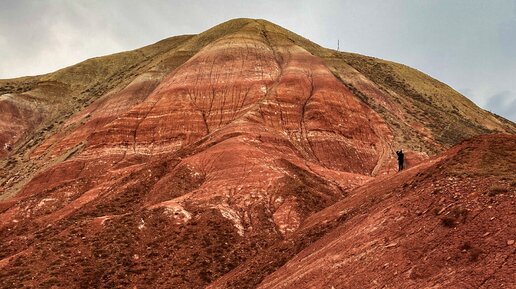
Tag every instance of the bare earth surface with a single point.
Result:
(249, 157)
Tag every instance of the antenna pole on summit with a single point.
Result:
(338, 44)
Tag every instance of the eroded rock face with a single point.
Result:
(183, 174)
(17, 118)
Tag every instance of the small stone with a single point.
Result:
(391, 245)
(510, 242)
(486, 234)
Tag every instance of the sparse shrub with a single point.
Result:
(205, 276)
(473, 252)
(17, 262)
(495, 190)
(448, 221)
(460, 213)
(466, 246)
(454, 217)
(50, 283)
(437, 190)
(468, 175)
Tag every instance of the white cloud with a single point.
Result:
(464, 43)
(503, 103)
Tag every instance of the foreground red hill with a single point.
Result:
(447, 223)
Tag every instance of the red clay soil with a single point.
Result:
(447, 223)
(148, 177)
(242, 158)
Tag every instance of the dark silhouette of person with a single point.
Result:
(401, 159)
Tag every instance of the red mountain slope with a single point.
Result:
(447, 223)
(178, 164)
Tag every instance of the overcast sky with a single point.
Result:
(468, 44)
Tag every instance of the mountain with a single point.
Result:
(247, 156)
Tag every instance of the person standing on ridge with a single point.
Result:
(401, 159)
